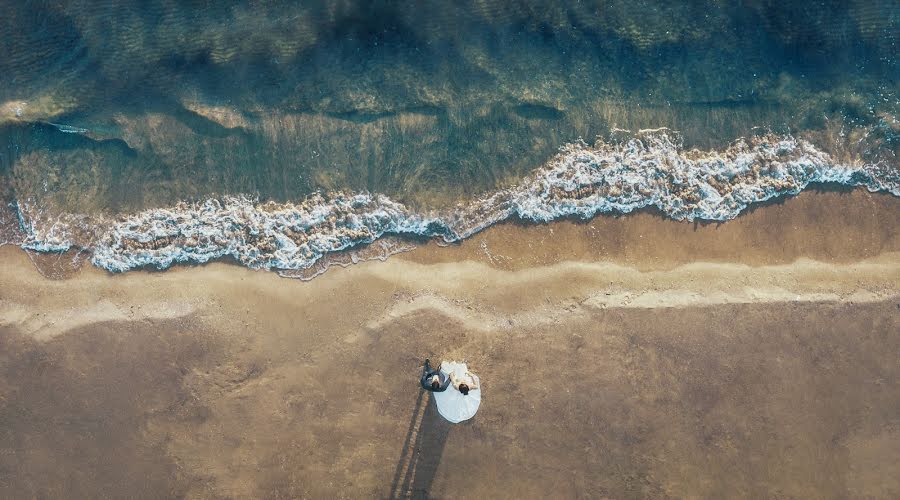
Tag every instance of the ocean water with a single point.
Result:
(154, 133)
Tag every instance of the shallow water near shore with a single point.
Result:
(116, 118)
(647, 171)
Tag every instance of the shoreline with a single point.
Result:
(778, 231)
(650, 170)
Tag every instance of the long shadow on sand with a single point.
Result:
(422, 450)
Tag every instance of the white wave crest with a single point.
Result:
(649, 170)
(653, 171)
(286, 236)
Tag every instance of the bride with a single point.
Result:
(460, 401)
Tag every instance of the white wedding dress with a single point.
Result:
(452, 404)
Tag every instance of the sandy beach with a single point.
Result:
(620, 357)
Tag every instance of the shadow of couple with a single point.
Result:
(422, 450)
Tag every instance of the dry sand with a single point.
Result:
(622, 357)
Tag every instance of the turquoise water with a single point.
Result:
(150, 133)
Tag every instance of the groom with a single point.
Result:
(434, 380)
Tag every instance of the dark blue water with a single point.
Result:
(119, 107)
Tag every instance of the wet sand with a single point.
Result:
(622, 357)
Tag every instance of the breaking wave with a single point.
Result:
(647, 170)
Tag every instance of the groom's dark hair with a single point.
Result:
(435, 385)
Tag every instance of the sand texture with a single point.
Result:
(620, 358)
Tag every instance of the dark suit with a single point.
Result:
(428, 373)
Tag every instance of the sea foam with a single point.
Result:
(647, 170)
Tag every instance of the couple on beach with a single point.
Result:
(457, 391)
